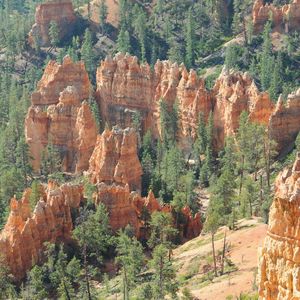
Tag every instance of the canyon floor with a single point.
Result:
(194, 262)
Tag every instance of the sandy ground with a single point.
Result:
(243, 253)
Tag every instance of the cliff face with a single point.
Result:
(279, 259)
(59, 11)
(124, 87)
(284, 18)
(236, 92)
(22, 238)
(284, 121)
(115, 160)
(58, 116)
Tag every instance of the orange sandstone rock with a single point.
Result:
(59, 116)
(236, 92)
(284, 18)
(124, 87)
(22, 238)
(284, 121)
(115, 159)
(59, 11)
(279, 259)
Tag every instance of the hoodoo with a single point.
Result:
(279, 259)
(58, 115)
(59, 11)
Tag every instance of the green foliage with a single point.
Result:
(162, 230)
(35, 194)
(164, 275)
(130, 258)
(7, 289)
(54, 33)
(87, 53)
(103, 13)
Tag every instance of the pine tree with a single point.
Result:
(35, 194)
(190, 40)
(266, 59)
(87, 53)
(123, 41)
(140, 29)
(164, 276)
(130, 258)
(277, 78)
(54, 34)
(103, 13)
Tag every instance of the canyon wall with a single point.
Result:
(279, 259)
(25, 232)
(284, 18)
(59, 11)
(58, 115)
(125, 87)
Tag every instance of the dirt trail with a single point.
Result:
(242, 252)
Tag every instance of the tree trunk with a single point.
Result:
(126, 292)
(66, 290)
(261, 190)
(161, 278)
(86, 273)
(223, 253)
(242, 175)
(214, 253)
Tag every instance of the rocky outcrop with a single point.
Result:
(284, 18)
(125, 87)
(279, 259)
(129, 208)
(234, 93)
(115, 160)
(59, 11)
(58, 115)
(284, 121)
(25, 232)
(23, 237)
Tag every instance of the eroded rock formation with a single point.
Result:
(22, 239)
(279, 259)
(124, 87)
(236, 92)
(284, 18)
(58, 115)
(115, 159)
(127, 207)
(59, 11)
(284, 121)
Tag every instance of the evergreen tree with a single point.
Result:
(103, 13)
(277, 78)
(190, 40)
(130, 258)
(140, 29)
(162, 230)
(23, 160)
(266, 59)
(54, 34)
(123, 41)
(7, 289)
(164, 276)
(87, 53)
(35, 194)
